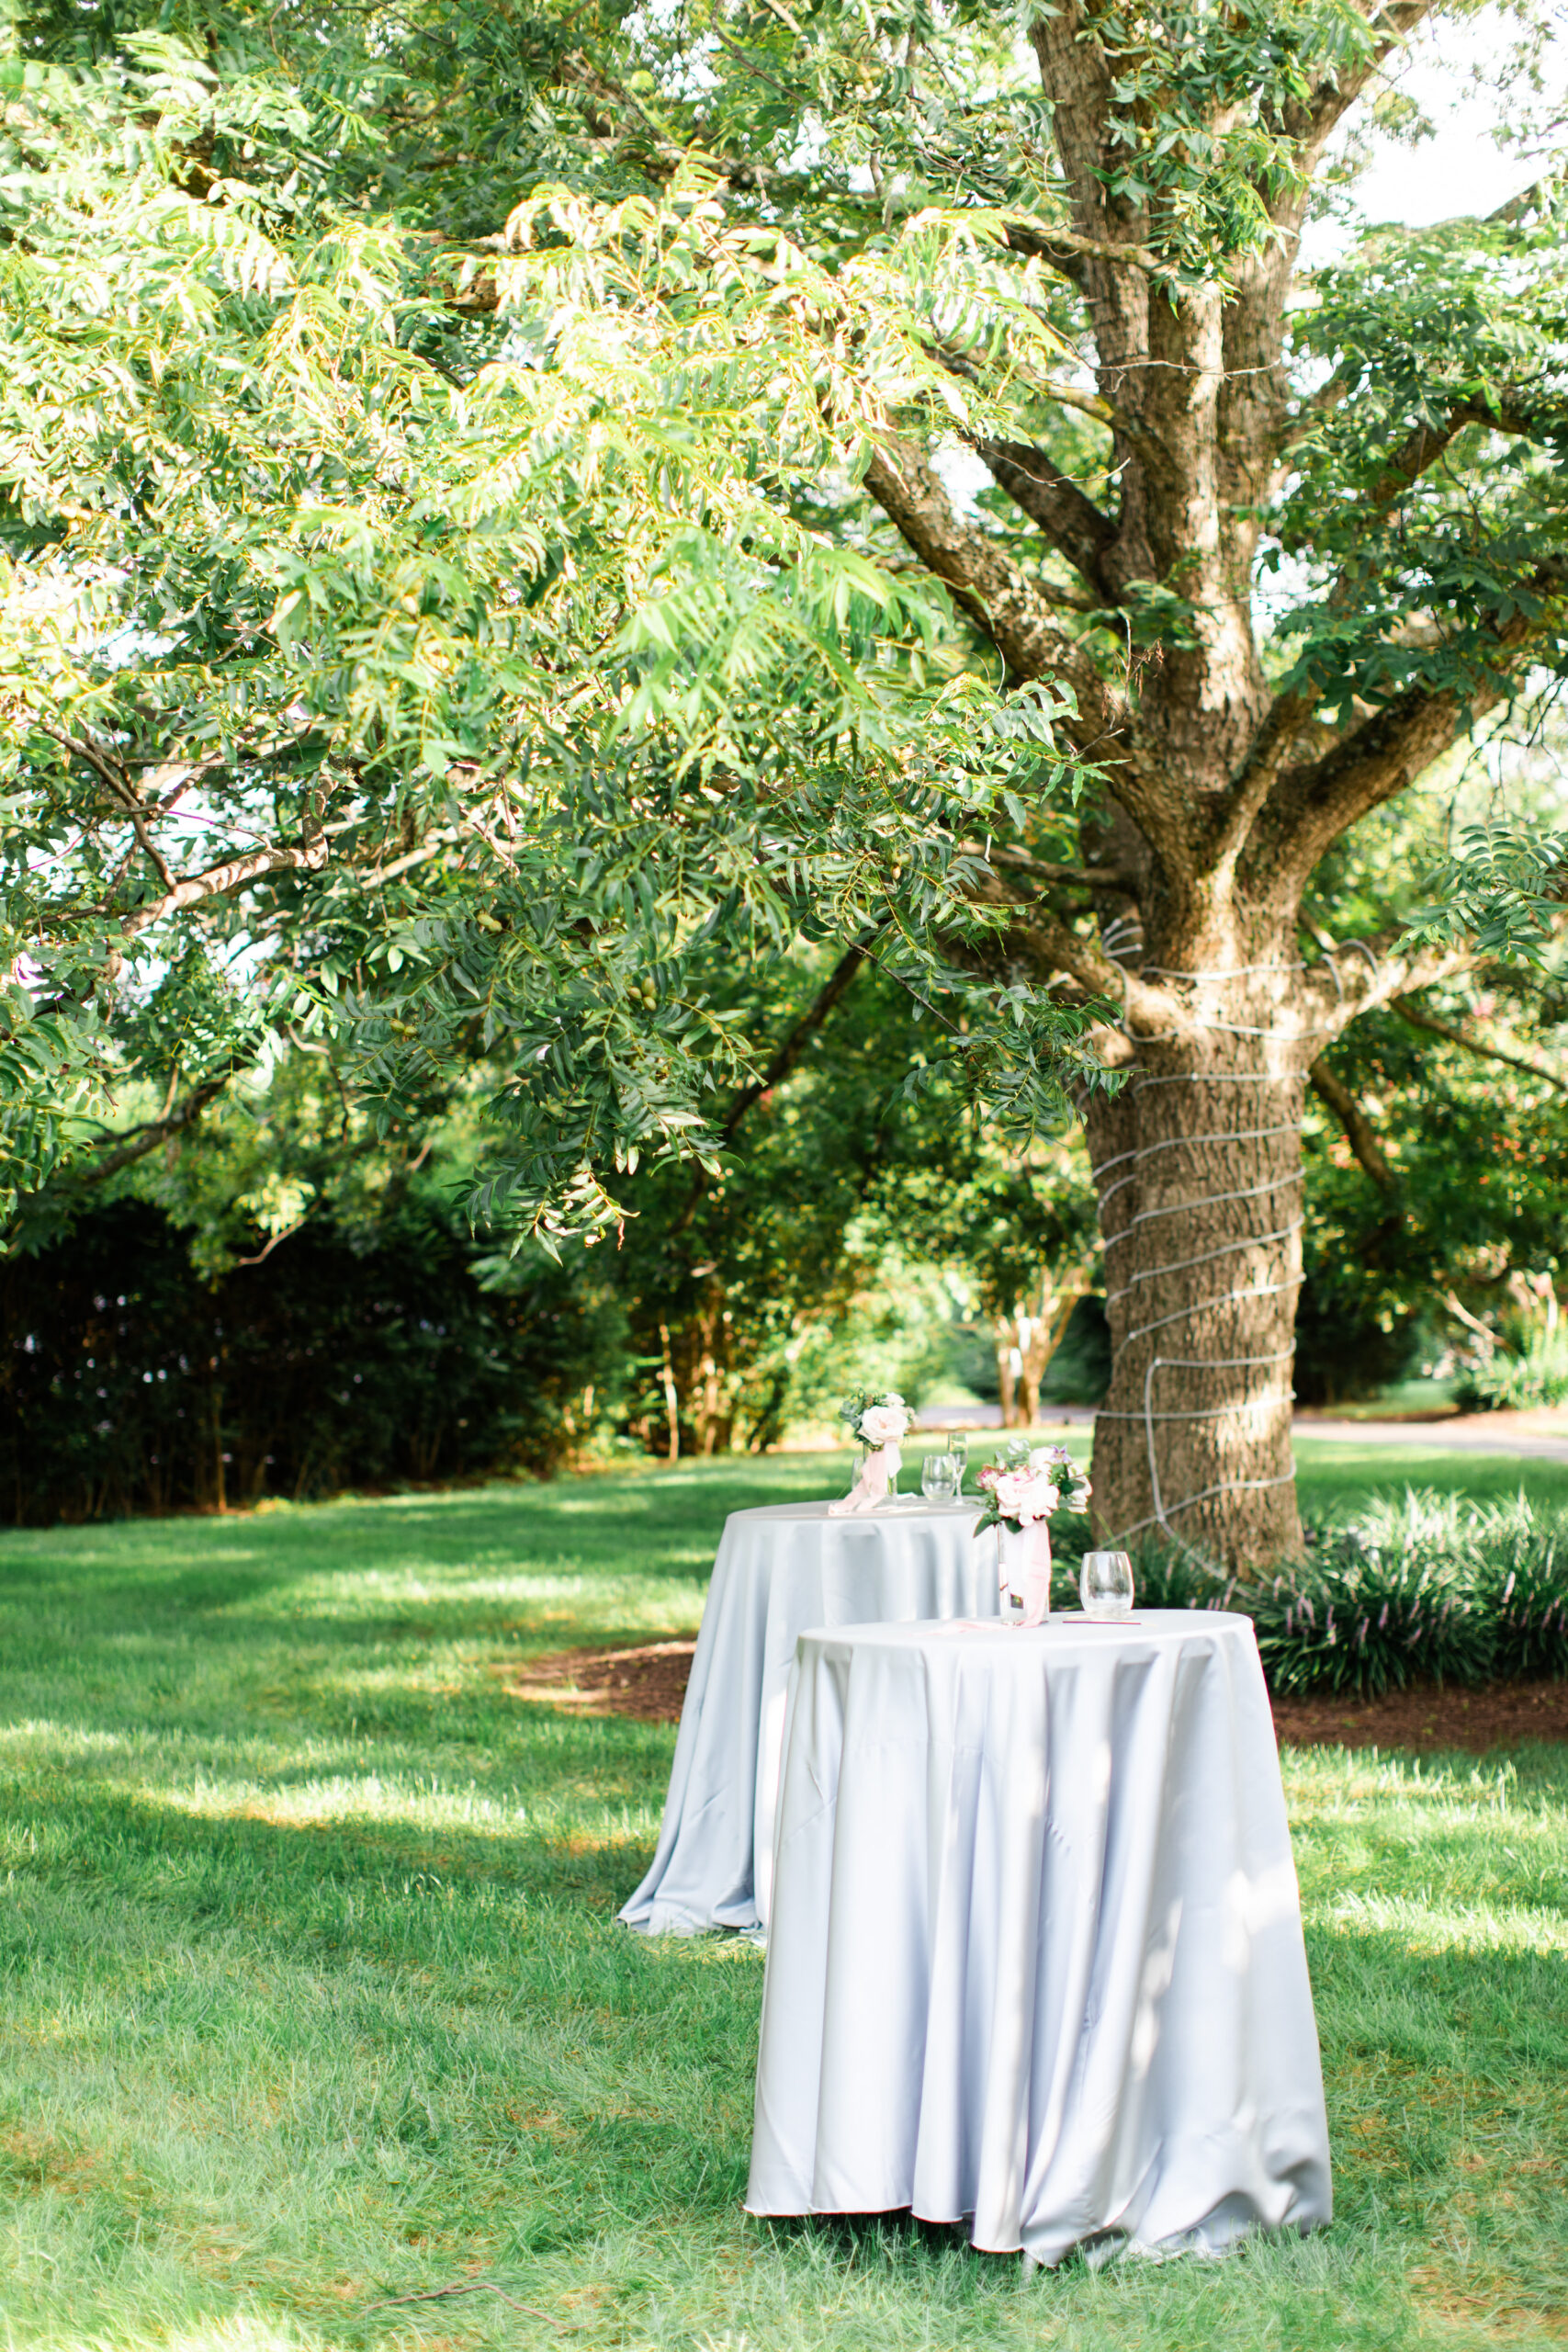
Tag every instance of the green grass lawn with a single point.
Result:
(314, 1995)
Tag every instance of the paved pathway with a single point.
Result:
(1442, 1437)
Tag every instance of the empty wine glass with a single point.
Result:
(1105, 1584)
(958, 1447)
(938, 1478)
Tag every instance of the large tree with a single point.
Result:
(485, 475)
(1394, 439)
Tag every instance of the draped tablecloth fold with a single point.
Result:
(780, 1569)
(1036, 1956)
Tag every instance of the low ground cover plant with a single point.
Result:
(1419, 1587)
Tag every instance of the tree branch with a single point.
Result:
(1359, 1133)
(988, 583)
(1423, 448)
(1066, 250)
(811, 1021)
(1317, 115)
(1073, 878)
(782, 1062)
(134, 1142)
(230, 873)
(1017, 617)
(1055, 946)
(1315, 803)
(1427, 1021)
(1072, 522)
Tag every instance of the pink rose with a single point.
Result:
(884, 1424)
(987, 1476)
(1024, 1495)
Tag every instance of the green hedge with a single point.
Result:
(130, 1383)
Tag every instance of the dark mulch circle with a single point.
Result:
(1499, 1714)
(649, 1684)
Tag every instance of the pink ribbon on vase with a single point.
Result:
(875, 1475)
(1034, 1591)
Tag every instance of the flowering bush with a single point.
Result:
(1026, 1485)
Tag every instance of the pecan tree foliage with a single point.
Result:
(408, 644)
(509, 451)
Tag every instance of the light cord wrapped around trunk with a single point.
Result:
(1163, 1512)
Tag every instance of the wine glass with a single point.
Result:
(1105, 1584)
(958, 1447)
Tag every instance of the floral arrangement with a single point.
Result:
(1026, 1486)
(877, 1417)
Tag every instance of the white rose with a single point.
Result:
(884, 1424)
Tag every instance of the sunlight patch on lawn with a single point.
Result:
(391, 1797)
(65, 1738)
(1432, 1927)
(371, 1796)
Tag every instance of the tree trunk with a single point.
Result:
(671, 1398)
(1007, 1369)
(1027, 1339)
(1197, 1167)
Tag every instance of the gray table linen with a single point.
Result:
(779, 1570)
(1036, 1958)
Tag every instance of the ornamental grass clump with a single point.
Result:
(1523, 1575)
(1359, 1617)
(1421, 1587)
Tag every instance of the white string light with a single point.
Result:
(1203, 1200)
(1271, 1399)
(1179, 1143)
(1204, 1258)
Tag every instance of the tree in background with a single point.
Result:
(1437, 1219)
(478, 490)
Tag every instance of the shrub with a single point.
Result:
(1539, 1376)
(1423, 1587)
(128, 1383)
(1359, 1618)
(1522, 1575)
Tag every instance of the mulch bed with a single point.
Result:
(1498, 1715)
(649, 1683)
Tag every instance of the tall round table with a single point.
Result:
(778, 1571)
(1036, 1958)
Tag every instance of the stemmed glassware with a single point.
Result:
(958, 1447)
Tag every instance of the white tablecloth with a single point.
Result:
(778, 1571)
(1036, 1953)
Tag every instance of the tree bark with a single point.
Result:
(1027, 1337)
(1198, 1171)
